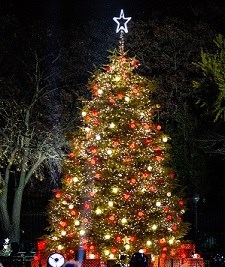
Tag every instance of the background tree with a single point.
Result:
(33, 125)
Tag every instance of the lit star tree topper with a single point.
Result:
(121, 22)
(121, 27)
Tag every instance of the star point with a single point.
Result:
(121, 22)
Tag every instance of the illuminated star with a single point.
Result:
(121, 22)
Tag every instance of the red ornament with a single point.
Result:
(94, 112)
(85, 220)
(158, 127)
(71, 251)
(116, 143)
(71, 155)
(135, 90)
(112, 101)
(73, 212)
(162, 241)
(58, 194)
(63, 223)
(118, 238)
(93, 149)
(123, 59)
(112, 217)
(134, 63)
(96, 122)
(148, 141)
(68, 197)
(152, 189)
(113, 250)
(174, 228)
(93, 160)
(120, 96)
(169, 217)
(132, 146)
(126, 196)
(181, 203)
(132, 238)
(171, 175)
(132, 125)
(41, 245)
(87, 205)
(166, 208)
(98, 175)
(107, 68)
(140, 214)
(146, 126)
(145, 174)
(127, 160)
(133, 181)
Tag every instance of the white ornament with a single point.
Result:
(121, 22)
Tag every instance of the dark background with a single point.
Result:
(73, 13)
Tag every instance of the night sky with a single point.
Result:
(72, 12)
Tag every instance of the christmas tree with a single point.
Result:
(118, 194)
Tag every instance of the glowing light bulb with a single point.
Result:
(111, 256)
(107, 236)
(98, 211)
(142, 114)
(154, 227)
(171, 241)
(100, 91)
(117, 78)
(71, 206)
(54, 238)
(77, 222)
(60, 247)
(82, 232)
(98, 137)
(124, 220)
(149, 243)
(109, 151)
(75, 179)
(91, 256)
(112, 125)
(149, 168)
(63, 233)
(127, 246)
(106, 252)
(84, 113)
(87, 129)
(127, 99)
(165, 139)
(115, 190)
(169, 194)
(158, 203)
(110, 203)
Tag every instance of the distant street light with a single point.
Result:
(196, 199)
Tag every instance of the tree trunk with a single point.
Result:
(4, 216)
(16, 212)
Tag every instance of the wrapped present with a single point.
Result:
(91, 263)
(186, 250)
